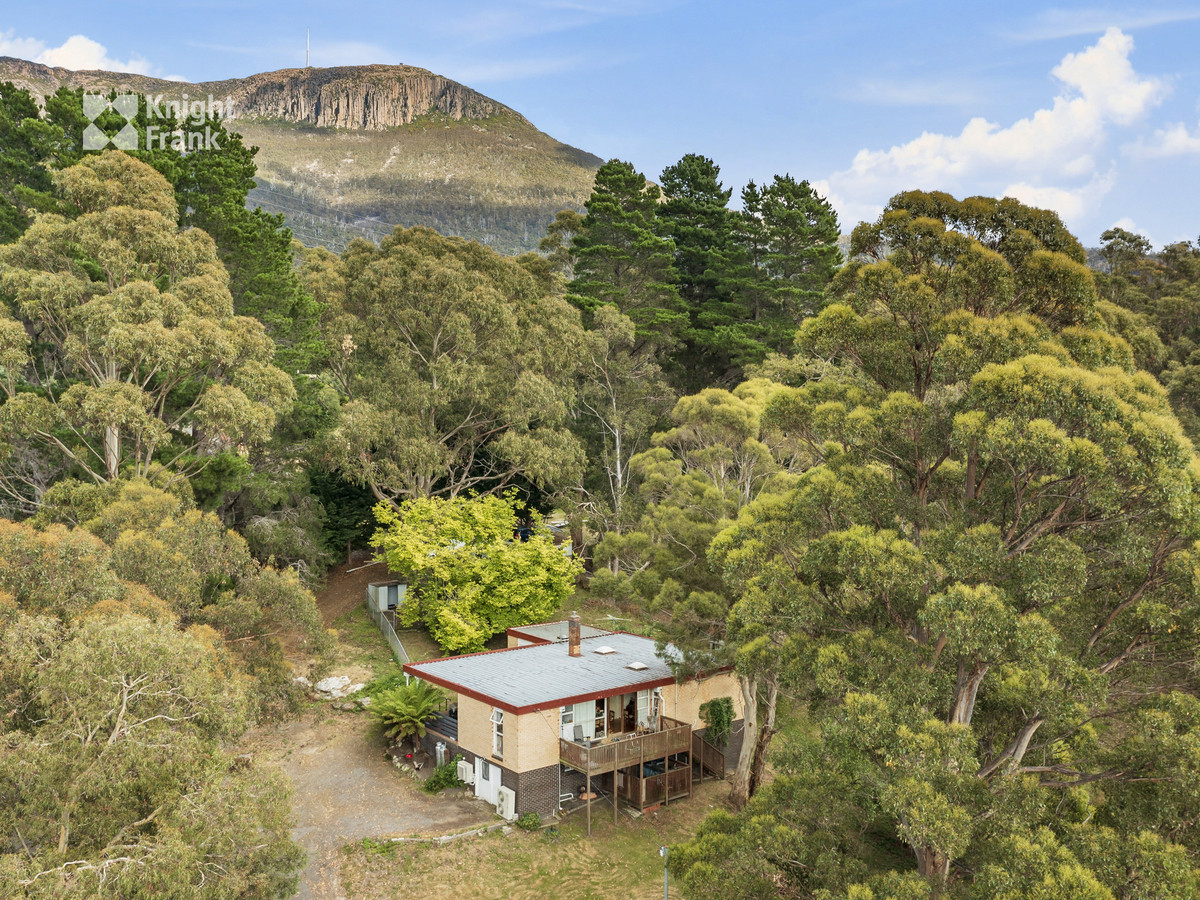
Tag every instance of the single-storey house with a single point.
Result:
(563, 713)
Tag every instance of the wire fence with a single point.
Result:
(384, 624)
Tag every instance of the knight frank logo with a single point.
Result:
(181, 123)
(124, 105)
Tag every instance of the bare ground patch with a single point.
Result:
(344, 791)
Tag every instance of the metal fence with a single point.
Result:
(383, 623)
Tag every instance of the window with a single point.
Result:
(498, 733)
(601, 725)
(566, 715)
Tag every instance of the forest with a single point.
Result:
(930, 491)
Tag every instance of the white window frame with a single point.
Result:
(497, 733)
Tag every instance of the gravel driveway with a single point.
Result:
(344, 790)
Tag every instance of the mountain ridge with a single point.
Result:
(355, 150)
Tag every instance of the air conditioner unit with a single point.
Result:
(506, 803)
(466, 772)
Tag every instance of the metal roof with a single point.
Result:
(554, 631)
(542, 676)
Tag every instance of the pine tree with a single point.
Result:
(625, 260)
(701, 224)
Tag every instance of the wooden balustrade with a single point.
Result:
(608, 755)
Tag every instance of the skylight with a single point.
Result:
(604, 651)
(637, 666)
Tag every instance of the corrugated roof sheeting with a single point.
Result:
(540, 675)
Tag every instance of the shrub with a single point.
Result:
(530, 821)
(718, 717)
(445, 776)
(383, 684)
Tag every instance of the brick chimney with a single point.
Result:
(573, 635)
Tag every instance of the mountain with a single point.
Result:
(357, 150)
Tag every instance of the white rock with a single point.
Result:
(302, 681)
(333, 684)
(364, 702)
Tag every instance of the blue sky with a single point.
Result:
(1092, 110)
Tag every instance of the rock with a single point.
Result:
(364, 702)
(332, 684)
(302, 681)
(507, 829)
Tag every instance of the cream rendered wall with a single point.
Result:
(682, 701)
(537, 740)
(475, 727)
(531, 740)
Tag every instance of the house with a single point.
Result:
(565, 712)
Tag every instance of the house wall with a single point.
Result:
(531, 762)
(689, 696)
(475, 727)
(537, 740)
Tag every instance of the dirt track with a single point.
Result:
(343, 788)
(346, 791)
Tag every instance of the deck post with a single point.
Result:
(589, 799)
(641, 775)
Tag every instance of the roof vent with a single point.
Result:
(637, 666)
(604, 651)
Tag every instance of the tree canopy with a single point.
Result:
(119, 346)
(984, 580)
(470, 575)
(455, 365)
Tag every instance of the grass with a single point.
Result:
(617, 862)
(360, 643)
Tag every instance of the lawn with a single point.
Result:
(617, 862)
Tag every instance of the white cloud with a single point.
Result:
(77, 52)
(1173, 140)
(1061, 23)
(1071, 203)
(1048, 157)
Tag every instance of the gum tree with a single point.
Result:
(990, 568)
(455, 364)
(119, 348)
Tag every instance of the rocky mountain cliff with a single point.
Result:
(357, 150)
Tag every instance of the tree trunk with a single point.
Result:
(739, 793)
(966, 691)
(932, 864)
(112, 452)
(763, 741)
(1014, 752)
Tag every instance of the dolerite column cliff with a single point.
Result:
(369, 97)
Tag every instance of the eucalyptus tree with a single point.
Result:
(456, 368)
(986, 579)
(119, 347)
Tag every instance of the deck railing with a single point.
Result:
(608, 755)
(711, 759)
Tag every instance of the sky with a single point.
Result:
(1092, 110)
